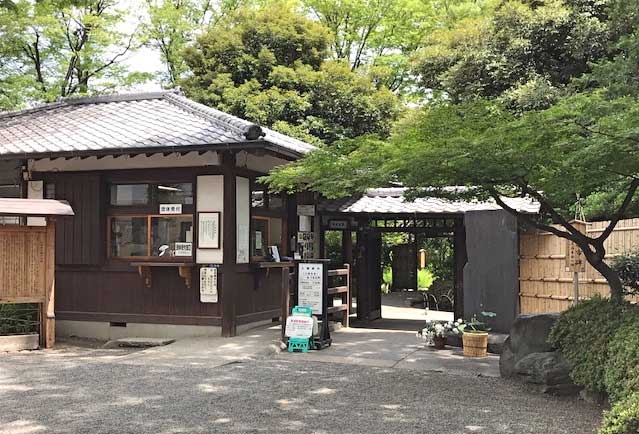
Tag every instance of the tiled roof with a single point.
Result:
(34, 207)
(123, 123)
(391, 201)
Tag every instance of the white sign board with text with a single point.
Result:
(208, 285)
(310, 283)
(299, 327)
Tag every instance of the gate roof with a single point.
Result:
(392, 201)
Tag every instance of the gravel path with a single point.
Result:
(100, 392)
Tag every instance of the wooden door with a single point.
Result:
(369, 275)
(404, 267)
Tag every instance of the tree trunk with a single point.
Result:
(616, 288)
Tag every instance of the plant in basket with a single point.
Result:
(435, 333)
(475, 335)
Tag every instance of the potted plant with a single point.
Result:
(475, 335)
(435, 333)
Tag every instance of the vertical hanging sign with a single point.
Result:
(208, 285)
(310, 284)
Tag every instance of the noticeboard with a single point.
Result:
(208, 285)
(310, 284)
(299, 327)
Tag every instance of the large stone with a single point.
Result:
(528, 335)
(548, 368)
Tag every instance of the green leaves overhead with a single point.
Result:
(53, 48)
(268, 65)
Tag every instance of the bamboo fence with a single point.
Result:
(27, 269)
(544, 283)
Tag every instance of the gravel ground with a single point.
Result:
(99, 392)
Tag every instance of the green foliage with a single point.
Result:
(172, 24)
(387, 279)
(627, 267)
(424, 279)
(18, 318)
(583, 334)
(623, 418)
(267, 65)
(52, 48)
(622, 370)
(523, 52)
(333, 246)
(439, 259)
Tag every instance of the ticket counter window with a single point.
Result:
(151, 220)
(265, 232)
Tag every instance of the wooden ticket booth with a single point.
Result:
(27, 257)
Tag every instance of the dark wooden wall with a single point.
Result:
(80, 240)
(118, 294)
(90, 287)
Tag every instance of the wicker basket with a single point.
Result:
(475, 344)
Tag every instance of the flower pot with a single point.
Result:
(439, 342)
(475, 344)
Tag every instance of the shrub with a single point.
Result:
(623, 418)
(424, 278)
(627, 267)
(18, 318)
(583, 334)
(622, 369)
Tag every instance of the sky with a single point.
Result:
(145, 59)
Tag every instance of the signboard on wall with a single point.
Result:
(307, 210)
(183, 249)
(170, 208)
(208, 230)
(306, 245)
(208, 285)
(338, 225)
(310, 281)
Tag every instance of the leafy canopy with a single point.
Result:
(52, 48)
(268, 65)
(524, 52)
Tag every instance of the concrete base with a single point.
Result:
(104, 331)
(19, 343)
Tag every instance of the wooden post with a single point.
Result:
(286, 295)
(575, 287)
(349, 295)
(228, 293)
(48, 307)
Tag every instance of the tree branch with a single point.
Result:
(634, 184)
(527, 218)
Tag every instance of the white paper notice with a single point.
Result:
(208, 285)
(242, 244)
(310, 284)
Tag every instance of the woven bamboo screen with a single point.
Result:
(544, 283)
(23, 264)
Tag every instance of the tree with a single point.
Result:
(58, 48)
(580, 146)
(585, 145)
(268, 65)
(524, 52)
(382, 35)
(172, 24)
